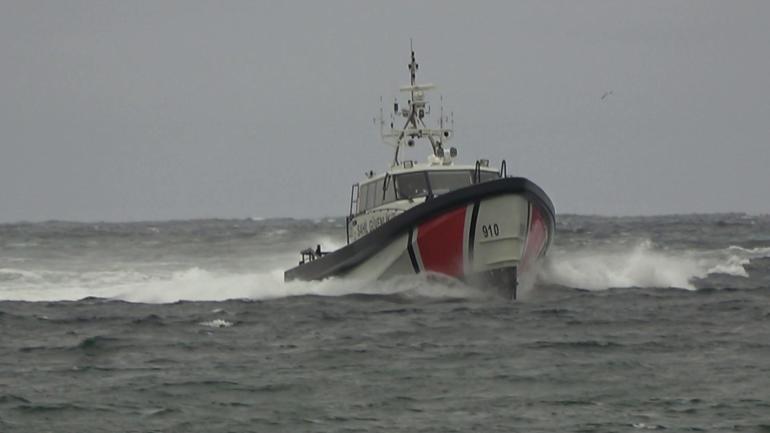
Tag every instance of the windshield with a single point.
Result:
(411, 185)
(441, 182)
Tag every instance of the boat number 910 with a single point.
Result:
(490, 230)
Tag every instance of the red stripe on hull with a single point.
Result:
(440, 241)
(536, 237)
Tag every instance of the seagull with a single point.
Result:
(606, 94)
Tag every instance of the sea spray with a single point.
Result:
(642, 265)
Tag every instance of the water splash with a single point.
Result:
(643, 265)
(197, 284)
(217, 323)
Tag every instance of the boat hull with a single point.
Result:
(471, 233)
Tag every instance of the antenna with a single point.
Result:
(382, 120)
(413, 66)
(415, 114)
(441, 115)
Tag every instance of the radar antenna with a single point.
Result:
(415, 112)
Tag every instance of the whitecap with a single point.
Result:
(217, 323)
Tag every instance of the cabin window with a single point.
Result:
(378, 192)
(411, 185)
(390, 190)
(488, 175)
(370, 193)
(368, 196)
(361, 203)
(441, 182)
(360, 199)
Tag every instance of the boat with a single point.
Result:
(471, 222)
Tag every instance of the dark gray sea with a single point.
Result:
(634, 324)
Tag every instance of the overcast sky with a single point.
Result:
(134, 110)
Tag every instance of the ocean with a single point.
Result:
(633, 324)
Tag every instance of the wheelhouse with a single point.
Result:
(414, 184)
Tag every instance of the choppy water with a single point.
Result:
(634, 324)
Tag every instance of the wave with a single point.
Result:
(644, 265)
(10, 274)
(217, 323)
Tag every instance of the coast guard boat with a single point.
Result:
(471, 222)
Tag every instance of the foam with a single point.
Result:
(753, 253)
(197, 284)
(643, 265)
(217, 323)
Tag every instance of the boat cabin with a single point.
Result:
(383, 196)
(419, 182)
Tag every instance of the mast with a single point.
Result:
(415, 128)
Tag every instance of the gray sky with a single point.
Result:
(116, 110)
